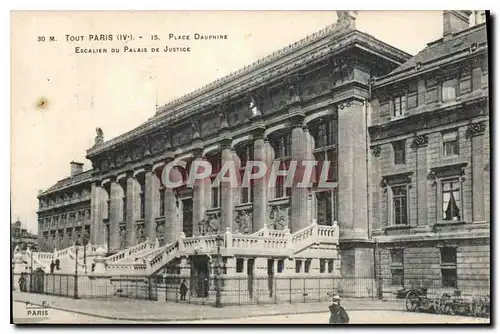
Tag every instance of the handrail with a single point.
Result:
(130, 251)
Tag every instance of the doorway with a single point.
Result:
(250, 266)
(200, 275)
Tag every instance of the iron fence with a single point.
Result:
(255, 290)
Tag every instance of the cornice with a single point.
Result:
(325, 44)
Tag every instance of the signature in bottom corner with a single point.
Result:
(28, 304)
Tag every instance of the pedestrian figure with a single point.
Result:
(183, 289)
(22, 283)
(52, 266)
(57, 264)
(338, 315)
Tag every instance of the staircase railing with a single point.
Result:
(130, 251)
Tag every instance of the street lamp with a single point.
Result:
(220, 242)
(85, 242)
(77, 244)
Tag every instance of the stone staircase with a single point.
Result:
(281, 243)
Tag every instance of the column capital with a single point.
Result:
(197, 149)
(376, 150)
(420, 141)
(296, 117)
(225, 142)
(475, 129)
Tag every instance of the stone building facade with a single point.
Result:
(339, 95)
(64, 211)
(430, 160)
(21, 238)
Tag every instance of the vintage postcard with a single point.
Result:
(250, 167)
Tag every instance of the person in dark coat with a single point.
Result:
(338, 315)
(22, 283)
(52, 266)
(57, 264)
(183, 289)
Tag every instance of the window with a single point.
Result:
(324, 207)
(450, 143)
(451, 200)
(298, 266)
(307, 265)
(282, 151)
(431, 94)
(399, 152)
(324, 133)
(399, 205)
(162, 202)
(142, 205)
(397, 267)
(449, 91)
(399, 106)
(215, 163)
(449, 267)
(245, 154)
(465, 84)
(239, 265)
(412, 95)
(281, 266)
(330, 266)
(322, 265)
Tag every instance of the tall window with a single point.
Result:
(324, 206)
(399, 152)
(142, 204)
(245, 153)
(399, 205)
(465, 84)
(451, 200)
(282, 146)
(412, 95)
(162, 201)
(397, 267)
(449, 267)
(325, 147)
(450, 143)
(215, 162)
(449, 90)
(399, 106)
(431, 94)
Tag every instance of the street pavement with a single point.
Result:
(119, 310)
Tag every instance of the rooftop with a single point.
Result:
(64, 183)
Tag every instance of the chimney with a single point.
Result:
(455, 21)
(76, 168)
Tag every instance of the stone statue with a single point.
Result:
(253, 107)
(346, 18)
(99, 138)
(196, 130)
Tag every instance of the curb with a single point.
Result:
(192, 319)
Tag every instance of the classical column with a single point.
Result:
(299, 196)
(115, 215)
(475, 132)
(260, 185)
(356, 251)
(130, 214)
(151, 198)
(420, 144)
(226, 188)
(96, 213)
(198, 194)
(172, 225)
(375, 187)
(352, 173)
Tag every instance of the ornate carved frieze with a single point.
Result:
(475, 129)
(439, 172)
(399, 178)
(210, 224)
(420, 141)
(243, 221)
(376, 150)
(279, 216)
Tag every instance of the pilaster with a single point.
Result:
(260, 185)
(299, 196)
(115, 215)
(151, 198)
(419, 144)
(475, 133)
(198, 194)
(130, 208)
(96, 213)
(226, 188)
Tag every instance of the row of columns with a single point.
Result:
(352, 184)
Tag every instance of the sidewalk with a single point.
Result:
(143, 310)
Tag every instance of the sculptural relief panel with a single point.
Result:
(279, 217)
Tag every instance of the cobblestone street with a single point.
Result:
(65, 310)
